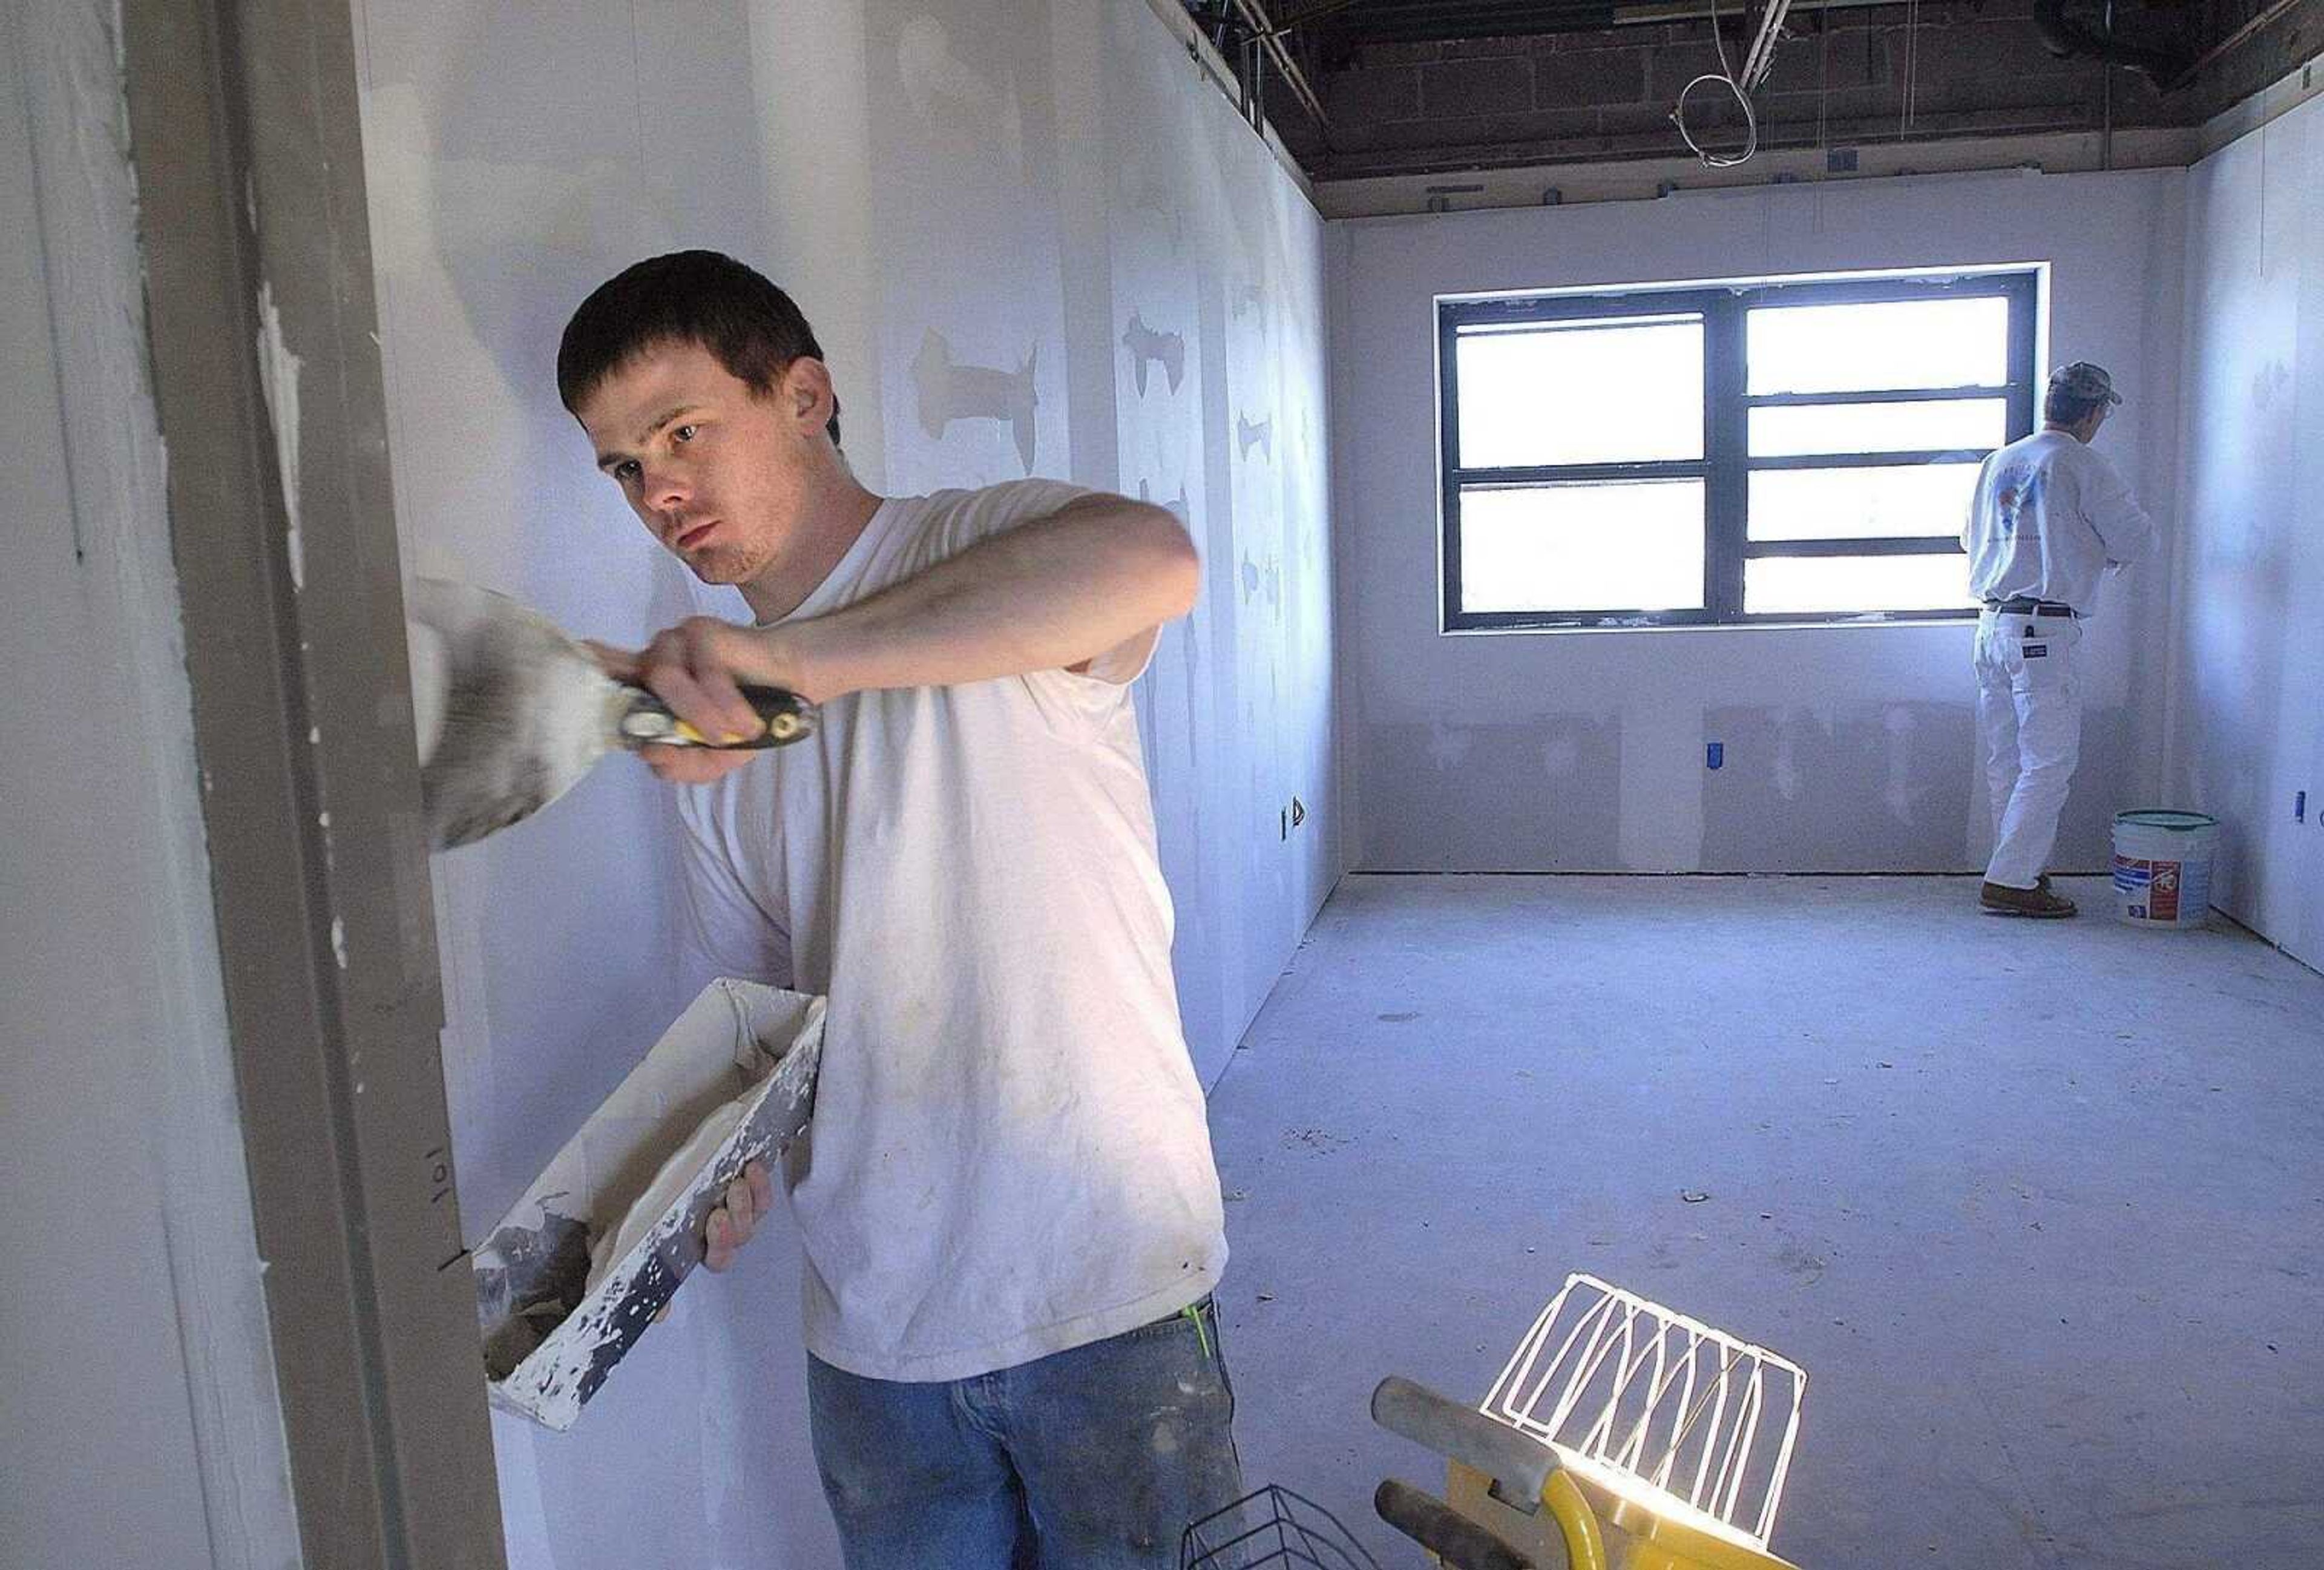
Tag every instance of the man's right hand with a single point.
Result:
(725, 714)
(748, 1200)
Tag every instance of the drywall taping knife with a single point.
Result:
(511, 712)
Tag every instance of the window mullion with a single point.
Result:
(1880, 396)
(1726, 498)
(1858, 545)
(1448, 417)
(2021, 357)
(1561, 474)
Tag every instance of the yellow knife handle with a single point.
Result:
(784, 717)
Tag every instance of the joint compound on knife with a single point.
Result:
(669, 1184)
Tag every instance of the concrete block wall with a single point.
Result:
(1837, 75)
(1976, 68)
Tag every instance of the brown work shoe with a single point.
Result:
(2001, 900)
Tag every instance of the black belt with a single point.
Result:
(2021, 606)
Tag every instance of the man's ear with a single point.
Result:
(808, 396)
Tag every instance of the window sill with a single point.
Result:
(1964, 619)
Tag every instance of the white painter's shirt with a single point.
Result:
(2050, 517)
(1009, 1155)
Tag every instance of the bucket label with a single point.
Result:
(2150, 889)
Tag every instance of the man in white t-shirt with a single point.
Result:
(2050, 520)
(1007, 1199)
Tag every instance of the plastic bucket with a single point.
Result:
(2162, 867)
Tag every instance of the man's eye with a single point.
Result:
(625, 471)
(685, 432)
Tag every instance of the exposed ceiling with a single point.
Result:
(1366, 88)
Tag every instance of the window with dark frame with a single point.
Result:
(1730, 455)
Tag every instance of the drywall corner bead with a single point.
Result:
(277, 378)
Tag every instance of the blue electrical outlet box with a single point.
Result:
(1714, 754)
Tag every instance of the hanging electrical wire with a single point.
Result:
(1912, 67)
(1724, 77)
(1757, 62)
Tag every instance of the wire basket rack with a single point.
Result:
(1658, 1408)
(1271, 1527)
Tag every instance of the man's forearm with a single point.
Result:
(1049, 595)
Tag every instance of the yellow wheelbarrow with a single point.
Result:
(1621, 1436)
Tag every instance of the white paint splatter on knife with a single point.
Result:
(277, 378)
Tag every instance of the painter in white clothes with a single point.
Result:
(2050, 521)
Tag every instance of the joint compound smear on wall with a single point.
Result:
(964, 217)
(950, 390)
(1175, 506)
(947, 92)
(1148, 346)
(1150, 194)
(1255, 433)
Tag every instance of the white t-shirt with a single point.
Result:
(1009, 1156)
(2051, 516)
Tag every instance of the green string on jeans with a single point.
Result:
(1193, 1312)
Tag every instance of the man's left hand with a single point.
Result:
(748, 1199)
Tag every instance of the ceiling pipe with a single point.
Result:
(1659, 13)
(2233, 42)
(2068, 37)
(1270, 39)
(1623, 13)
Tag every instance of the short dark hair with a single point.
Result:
(2060, 407)
(687, 296)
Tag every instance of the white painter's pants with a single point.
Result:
(2029, 721)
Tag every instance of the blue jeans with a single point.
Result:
(1092, 1459)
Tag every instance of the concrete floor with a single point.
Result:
(2039, 1207)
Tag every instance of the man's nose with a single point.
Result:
(667, 486)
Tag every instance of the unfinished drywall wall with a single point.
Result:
(140, 1426)
(2249, 655)
(1033, 239)
(1848, 748)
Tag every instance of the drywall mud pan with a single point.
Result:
(731, 1082)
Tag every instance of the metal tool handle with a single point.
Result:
(649, 722)
(1517, 1461)
(1461, 1543)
